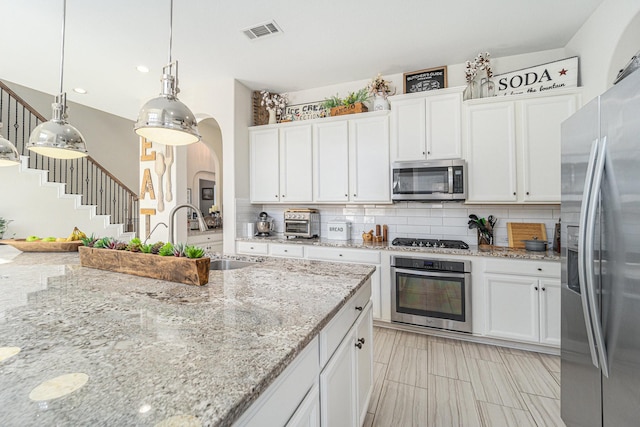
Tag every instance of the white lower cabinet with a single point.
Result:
(209, 242)
(308, 413)
(523, 307)
(346, 381)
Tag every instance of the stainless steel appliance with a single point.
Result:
(430, 243)
(600, 253)
(431, 292)
(303, 223)
(264, 225)
(429, 180)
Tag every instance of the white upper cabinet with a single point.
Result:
(513, 147)
(296, 164)
(331, 161)
(265, 165)
(369, 171)
(426, 126)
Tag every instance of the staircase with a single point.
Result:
(93, 195)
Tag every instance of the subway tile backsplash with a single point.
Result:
(411, 219)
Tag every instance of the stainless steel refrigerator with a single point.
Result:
(600, 251)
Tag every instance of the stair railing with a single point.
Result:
(83, 176)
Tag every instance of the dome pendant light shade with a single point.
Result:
(8, 154)
(57, 138)
(165, 119)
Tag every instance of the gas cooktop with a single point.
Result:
(429, 243)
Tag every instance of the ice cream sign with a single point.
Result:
(541, 78)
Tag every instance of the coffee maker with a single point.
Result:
(264, 225)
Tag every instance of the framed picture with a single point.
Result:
(423, 80)
(207, 194)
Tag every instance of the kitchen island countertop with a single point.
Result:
(152, 349)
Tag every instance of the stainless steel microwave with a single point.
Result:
(438, 180)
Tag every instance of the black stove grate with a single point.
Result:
(429, 243)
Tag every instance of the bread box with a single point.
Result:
(339, 230)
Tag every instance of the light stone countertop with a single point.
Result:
(495, 251)
(154, 349)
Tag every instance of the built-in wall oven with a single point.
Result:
(431, 292)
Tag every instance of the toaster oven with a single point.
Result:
(303, 223)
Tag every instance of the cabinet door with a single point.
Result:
(337, 388)
(331, 161)
(408, 132)
(512, 307)
(540, 121)
(264, 174)
(444, 123)
(364, 361)
(550, 311)
(369, 169)
(491, 152)
(296, 165)
(308, 413)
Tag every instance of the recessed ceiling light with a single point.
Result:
(79, 90)
(142, 69)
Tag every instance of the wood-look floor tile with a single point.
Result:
(422, 368)
(383, 344)
(492, 383)
(517, 352)
(410, 339)
(451, 403)
(556, 376)
(396, 406)
(503, 416)
(448, 361)
(379, 371)
(368, 420)
(531, 376)
(433, 338)
(482, 351)
(552, 363)
(545, 411)
(403, 365)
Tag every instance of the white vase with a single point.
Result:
(272, 117)
(380, 102)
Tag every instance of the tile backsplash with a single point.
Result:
(411, 219)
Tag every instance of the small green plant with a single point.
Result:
(360, 96)
(89, 241)
(146, 249)
(166, 250)
(194, 252)
(332, 102)
(135, 245)
(178, 250)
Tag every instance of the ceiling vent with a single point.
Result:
(263, 30)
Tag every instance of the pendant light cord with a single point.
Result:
(170, 28)
(64, 16)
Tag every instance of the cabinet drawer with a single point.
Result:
(292, 251)
(332, 334)
(257, 248)
(344, 255)
(523, 268)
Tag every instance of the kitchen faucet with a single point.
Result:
(152, 230)
(172, 214)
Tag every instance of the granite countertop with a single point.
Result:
(152, 349)
(493, 251)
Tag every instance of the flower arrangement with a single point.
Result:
(480, 63)
(471, 71)
(379, 85)
(274, 101)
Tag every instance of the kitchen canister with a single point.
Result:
(339, 230)
(251, 229)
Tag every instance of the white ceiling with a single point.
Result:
(323, 42)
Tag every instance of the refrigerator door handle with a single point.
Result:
(589, 258)
(582, 251)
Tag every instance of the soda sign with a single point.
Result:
(554, 75)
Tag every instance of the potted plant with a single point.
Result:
(352, 104)
(380, 89)
(275, 104)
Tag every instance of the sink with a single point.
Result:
(229, 264)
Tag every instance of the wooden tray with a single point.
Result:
(39, 246)
(519, 231)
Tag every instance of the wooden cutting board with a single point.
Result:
(519, 231)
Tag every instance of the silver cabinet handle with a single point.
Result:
(582, 268)
(589, 260)
(450, 183)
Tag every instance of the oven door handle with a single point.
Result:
(428, 273)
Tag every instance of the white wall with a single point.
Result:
(110, 139)
(597, 41)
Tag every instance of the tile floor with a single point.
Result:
(426, 381)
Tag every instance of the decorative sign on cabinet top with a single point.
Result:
(561, 74)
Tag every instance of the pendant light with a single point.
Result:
(165, 119)
(8, 154)
(57, 138)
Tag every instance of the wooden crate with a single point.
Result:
(174, 269)
(358, 107)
